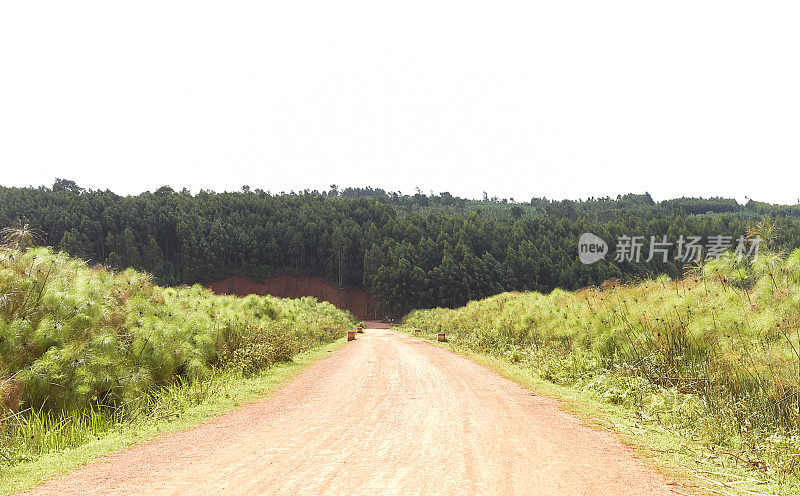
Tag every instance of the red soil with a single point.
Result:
(355, 300)
(387, 415)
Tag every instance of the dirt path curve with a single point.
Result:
(387, 414)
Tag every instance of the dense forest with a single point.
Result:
(410, 251)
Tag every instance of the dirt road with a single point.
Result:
(385, 415)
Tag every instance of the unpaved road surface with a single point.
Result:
(385, 415)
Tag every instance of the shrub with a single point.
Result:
(72, 336)
(727, 335)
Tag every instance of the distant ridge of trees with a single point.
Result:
(410, 251)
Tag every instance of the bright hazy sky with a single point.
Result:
(564, 99)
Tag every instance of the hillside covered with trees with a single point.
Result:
(409, 251)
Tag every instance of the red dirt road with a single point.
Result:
(387, 414)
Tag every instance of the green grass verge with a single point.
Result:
(690, 467)
(232, 391)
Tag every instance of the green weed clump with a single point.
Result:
(716, 353)
(84, 348)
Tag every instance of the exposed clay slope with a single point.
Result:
(356, 300)
(388, 414)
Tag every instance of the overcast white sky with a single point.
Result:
(564, 99)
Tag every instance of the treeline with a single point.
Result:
(410, 251)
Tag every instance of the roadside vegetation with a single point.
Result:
(713, 357)
(85, 350)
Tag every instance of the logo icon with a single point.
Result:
(591, 248)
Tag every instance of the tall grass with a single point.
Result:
(715, 352)
(84, 348)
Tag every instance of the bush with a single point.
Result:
(727, 335)
(72, 336)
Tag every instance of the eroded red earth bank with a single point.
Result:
(356, 300)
